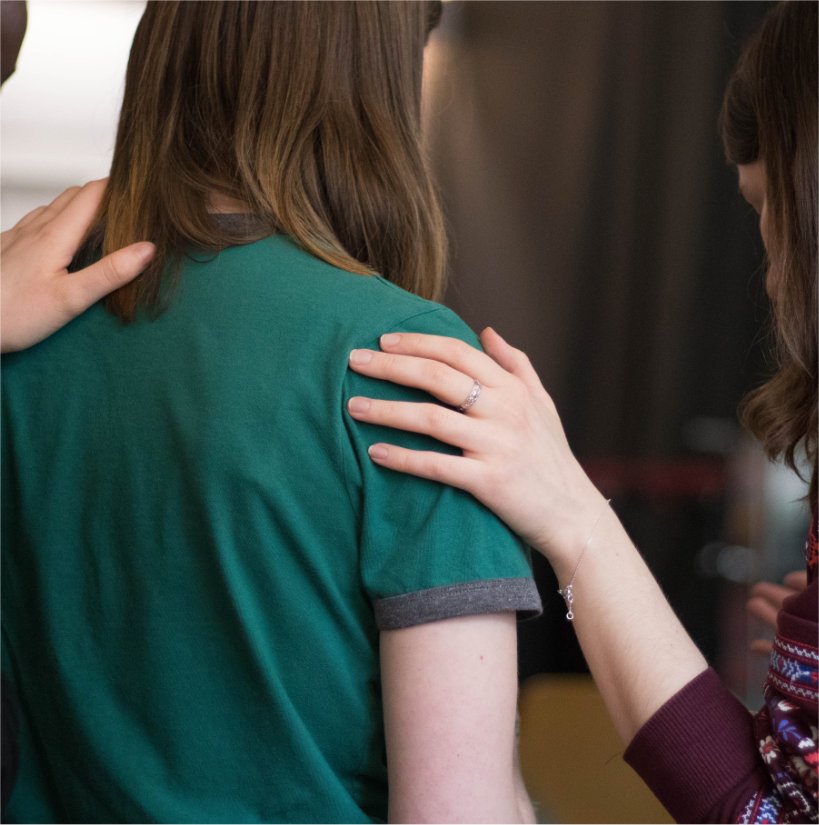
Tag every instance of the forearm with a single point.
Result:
(636, 648)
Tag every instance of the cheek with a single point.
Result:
(772, 275)
(764, 229)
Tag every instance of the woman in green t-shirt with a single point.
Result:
(215, 607)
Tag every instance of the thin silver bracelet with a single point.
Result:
(568, 591)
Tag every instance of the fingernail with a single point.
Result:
(390, 340)
(144, 251)
(358, 405)
(360, 356)
(378, 452)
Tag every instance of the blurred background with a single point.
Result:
(595, 224)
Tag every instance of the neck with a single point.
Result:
(223, 205)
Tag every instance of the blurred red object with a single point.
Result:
(663, 478)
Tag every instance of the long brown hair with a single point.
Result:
(308, 113)
(770, 114)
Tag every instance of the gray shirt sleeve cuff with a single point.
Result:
(467, 599)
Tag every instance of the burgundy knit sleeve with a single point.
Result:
(698, 753)
(708, 760)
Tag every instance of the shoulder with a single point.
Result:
(366, 305)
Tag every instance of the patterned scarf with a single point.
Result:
(786, 727)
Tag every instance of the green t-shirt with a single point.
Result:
(198, 553)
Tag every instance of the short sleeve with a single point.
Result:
(429, 551)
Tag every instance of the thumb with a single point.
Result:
(500, 351)
(511, 359)
(109, 273)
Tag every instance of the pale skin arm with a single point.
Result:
(450, 693)
(38, 294)
(516, 460)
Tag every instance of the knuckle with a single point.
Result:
(409, 342)
(434, 416)
(457, 349)
(388, 363)
(378, 410)
(35, 213)
(434, 465)
(65, 195)
(447, 345)
(110, 272)
(438, 373)
(46, 234)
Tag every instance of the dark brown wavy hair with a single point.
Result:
(308, 113)
(770, 114)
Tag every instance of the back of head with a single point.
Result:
(308, 113)
(769, 114)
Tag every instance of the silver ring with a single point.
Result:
(471, 398)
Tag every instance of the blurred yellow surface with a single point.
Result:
(572, 758)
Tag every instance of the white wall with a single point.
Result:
(58, 111)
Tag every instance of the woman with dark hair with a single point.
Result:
(215, 608)
(703, 754)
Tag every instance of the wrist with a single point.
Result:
(567, 590)
(582, 526)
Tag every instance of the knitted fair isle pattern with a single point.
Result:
(786, 727)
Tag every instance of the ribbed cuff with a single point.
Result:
(467, 599)
(698, 754)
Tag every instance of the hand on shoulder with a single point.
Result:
(38, 294)
(516, 459)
